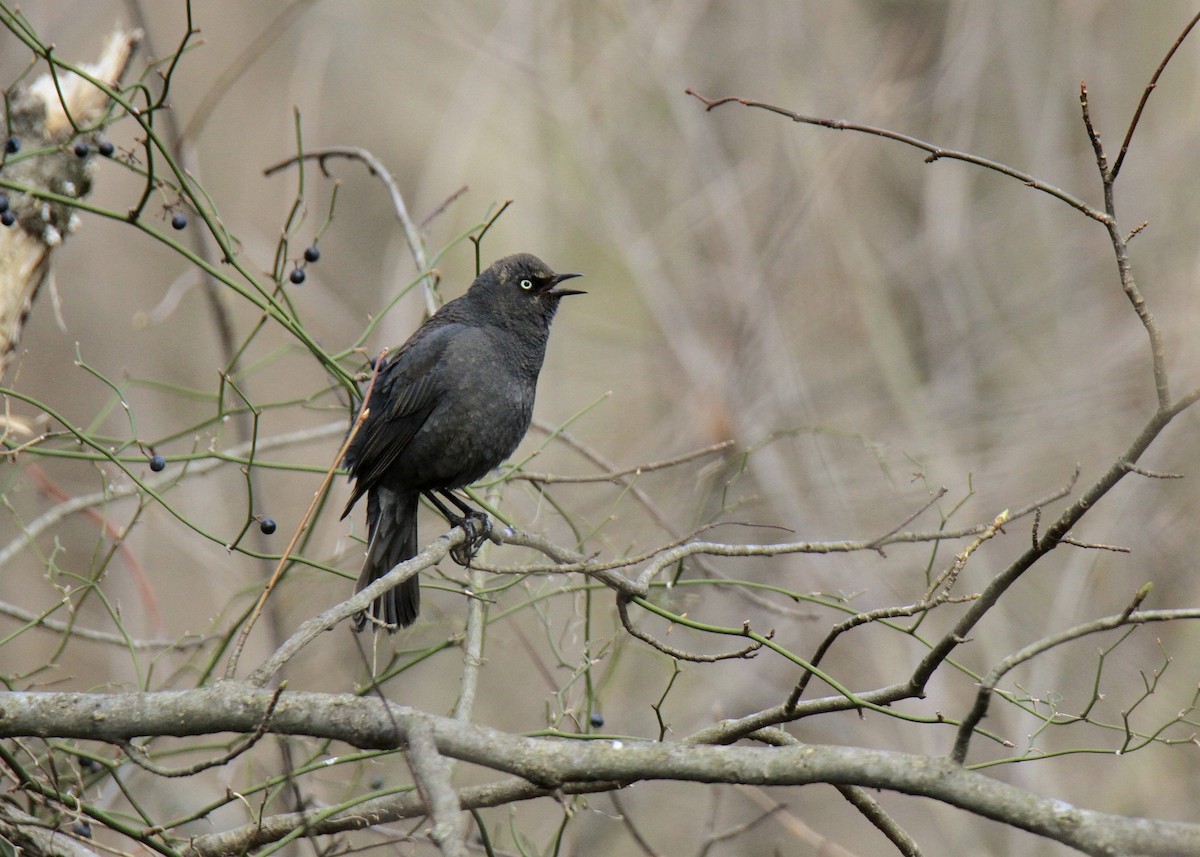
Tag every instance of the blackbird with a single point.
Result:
(447, 407)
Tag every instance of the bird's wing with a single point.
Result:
(405, 394)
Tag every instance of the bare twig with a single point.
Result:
(1068, 540)
(636, 470)
(937, 594)
(679, 654)
(937, 495)
(1121, 251)
(1050, 539)
(946, 580)
(1150, 87)
(935, 152)
(1149, 474)
(40, 620)
(861, 800)
(642, 843)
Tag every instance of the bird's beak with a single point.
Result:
(557, 292)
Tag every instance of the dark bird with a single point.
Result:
(450, 405)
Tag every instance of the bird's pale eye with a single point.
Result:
(527, 284)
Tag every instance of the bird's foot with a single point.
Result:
(477, 526)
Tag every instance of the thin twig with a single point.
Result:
(1150, 87)
(635, 470)
(642, 842)
(1121, 251)
(861, 799)
(937, 594)
(1068, 540)
(1149, 474)
(40, 620)
(935, 152)
(679, 654)
(937, 495)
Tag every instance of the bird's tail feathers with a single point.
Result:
(392, 539)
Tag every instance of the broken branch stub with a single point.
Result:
(43, 118)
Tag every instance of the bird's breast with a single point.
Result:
(483, 411)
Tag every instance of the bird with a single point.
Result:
(446, 408)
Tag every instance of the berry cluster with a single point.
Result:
(7, 217)
(298, 275)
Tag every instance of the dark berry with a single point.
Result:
(267, 526)
(105, 148)
(82, 828)
(312, 254)
(597, 719)
(297, 276)
(178, 222)
(7, 218)
(82, 149)
(157, 463)
(3, 201)
(87, 763)
(12, 145)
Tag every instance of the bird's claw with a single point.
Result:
(477, 526)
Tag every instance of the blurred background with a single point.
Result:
(872, 327)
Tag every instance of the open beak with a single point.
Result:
(557, 292)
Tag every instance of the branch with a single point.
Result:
(552, 763)
(1129, 616)
(432, 775)
(1121, 250)
(937, 594)
(369, 813)
(1150, 87)
(615, 475)
(679, 654)
(360, 601)
(1049, 540)
(936, 152)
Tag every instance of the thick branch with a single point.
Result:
(554, 763)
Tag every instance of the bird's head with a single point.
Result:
(523, 286)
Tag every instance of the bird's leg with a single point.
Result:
(475, 524)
